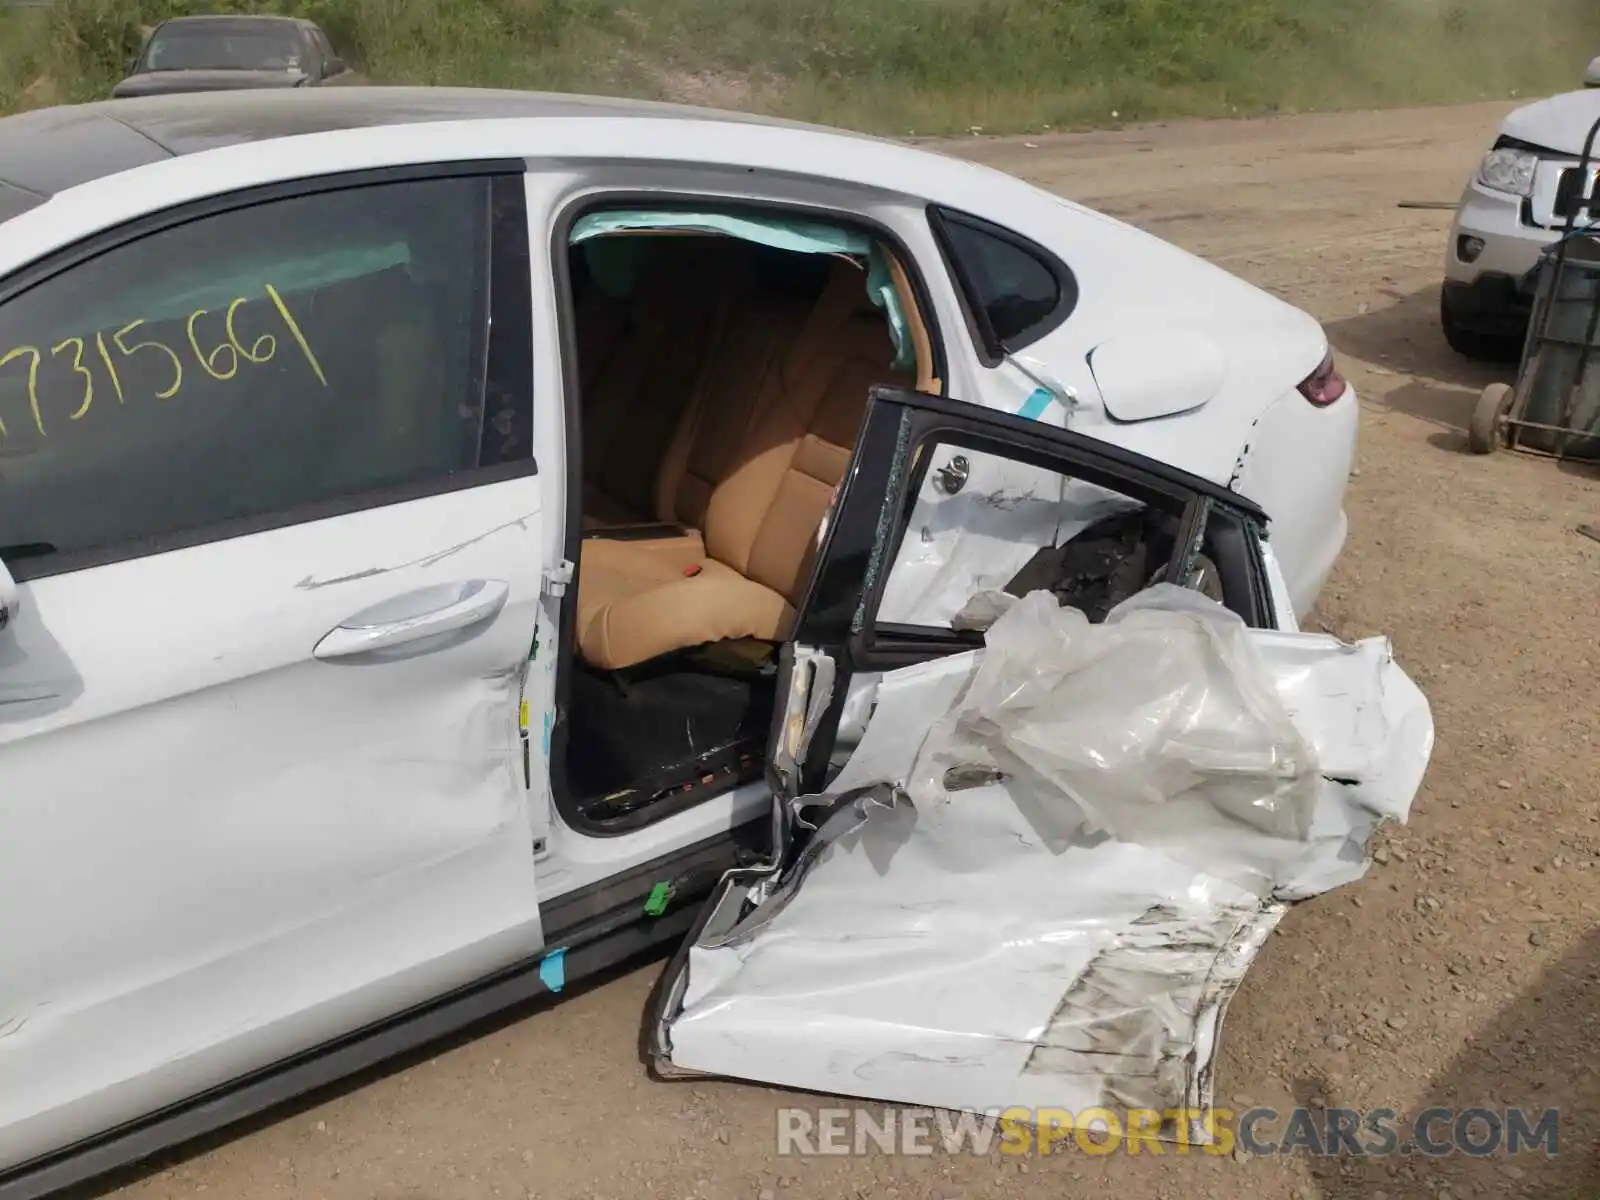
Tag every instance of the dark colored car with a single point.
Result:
(208, 54)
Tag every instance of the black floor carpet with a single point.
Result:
(665, 731)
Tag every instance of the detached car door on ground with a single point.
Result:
(271, 533)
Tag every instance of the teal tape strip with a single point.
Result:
(1033, 407)
(553, 970)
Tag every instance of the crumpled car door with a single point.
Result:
(1037, 869)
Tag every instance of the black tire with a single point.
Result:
(1480, 347)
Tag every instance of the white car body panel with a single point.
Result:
(174, 856)
(1270, 346)
(1142, 375)
(1068, 936)
(1560, 122)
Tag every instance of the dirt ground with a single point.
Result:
(1465, 968)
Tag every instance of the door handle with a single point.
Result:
(445, 608)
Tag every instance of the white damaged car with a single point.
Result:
(453, 541)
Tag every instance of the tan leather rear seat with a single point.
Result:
(639, 360)
(742, 375)
(759, 469)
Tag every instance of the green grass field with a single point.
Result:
(892, 66)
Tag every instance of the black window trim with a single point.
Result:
(991, 349)
(880, 643)
(26, 568)
(983, 430)
(689, 199)
(837, 613)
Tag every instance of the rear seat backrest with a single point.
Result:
(756, 329)
(638, 394)
(762, 518)
(761, 453)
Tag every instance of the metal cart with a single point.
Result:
(1554, 406)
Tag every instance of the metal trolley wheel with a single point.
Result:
(1488, 425)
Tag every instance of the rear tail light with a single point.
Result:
(1324, 385)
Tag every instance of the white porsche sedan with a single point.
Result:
(453, 541)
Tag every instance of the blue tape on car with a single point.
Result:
(549, 724)
(1033, 407)
(553, 970)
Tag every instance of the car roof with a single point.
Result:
(227, 19)
(49, 150)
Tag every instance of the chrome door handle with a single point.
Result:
(450, 607)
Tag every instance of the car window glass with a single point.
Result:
(980, 522)
(236, 49)
(260, 360)
(1017, 291)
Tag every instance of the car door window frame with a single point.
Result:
(837, 614)
(516, 301)
(991, 348)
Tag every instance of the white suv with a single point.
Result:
(1513, 207)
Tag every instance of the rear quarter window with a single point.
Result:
(1015, 290)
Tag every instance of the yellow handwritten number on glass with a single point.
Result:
(294, 330)
(111, 367)
(130, 351)
(77, 365)
(261, 350)
(209, 361)
(33, 381)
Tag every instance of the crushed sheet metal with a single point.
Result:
(947, 938)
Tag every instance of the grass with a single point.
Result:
(891, 66)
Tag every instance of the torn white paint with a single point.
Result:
(1069, 934)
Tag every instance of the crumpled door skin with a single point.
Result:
(1069, 933)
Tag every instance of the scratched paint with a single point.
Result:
(310, 583)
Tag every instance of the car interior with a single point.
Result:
(723, 375)
(722, 380)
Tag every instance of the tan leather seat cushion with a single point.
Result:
(638, 601)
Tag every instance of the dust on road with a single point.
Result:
(1463, 970)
